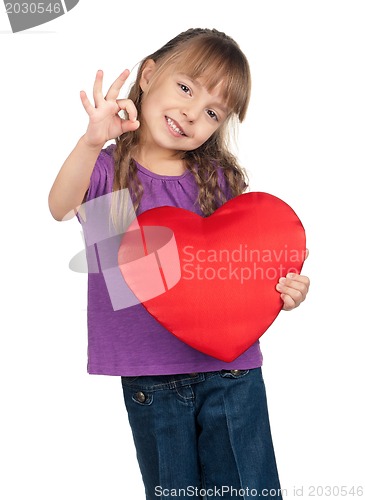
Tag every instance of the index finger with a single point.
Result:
(115, 87)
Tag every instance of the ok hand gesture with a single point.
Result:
(104, 120)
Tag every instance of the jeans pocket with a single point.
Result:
(142, 398)
(132, 391)
(233, 373)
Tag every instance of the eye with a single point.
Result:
(184, 88)
(212, 114)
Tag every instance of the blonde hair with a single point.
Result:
(213, 57)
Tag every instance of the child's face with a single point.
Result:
(179, 114)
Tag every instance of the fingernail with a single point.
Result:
(282, 280)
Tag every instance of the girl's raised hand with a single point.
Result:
(104, 120)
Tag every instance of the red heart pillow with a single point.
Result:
(211, 281)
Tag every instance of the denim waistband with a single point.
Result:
(161, 382)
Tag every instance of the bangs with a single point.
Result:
(215, 62)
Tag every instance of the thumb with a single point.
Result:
(130, 125)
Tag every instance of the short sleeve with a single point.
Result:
(102, 176)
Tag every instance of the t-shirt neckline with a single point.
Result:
(161, 177)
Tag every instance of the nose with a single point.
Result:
(190, 113)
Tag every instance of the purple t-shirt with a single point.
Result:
(128, 341)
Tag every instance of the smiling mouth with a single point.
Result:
(174, 126)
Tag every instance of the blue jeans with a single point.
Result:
(203, 435)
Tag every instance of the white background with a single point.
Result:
(64, 433)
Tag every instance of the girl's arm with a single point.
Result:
(72, 181)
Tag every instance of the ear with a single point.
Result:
(147, 73)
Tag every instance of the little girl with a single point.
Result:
(200, 425)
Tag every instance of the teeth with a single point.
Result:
(174, 127)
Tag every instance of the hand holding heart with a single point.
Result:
(213, 282)
(293, 289)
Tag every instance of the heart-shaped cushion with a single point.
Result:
(211, 280)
